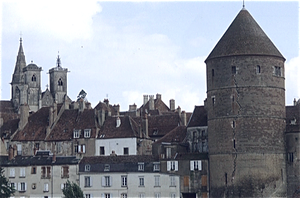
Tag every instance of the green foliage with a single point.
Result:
(5, 189)
(72, 190)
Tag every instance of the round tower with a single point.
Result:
(246, 113)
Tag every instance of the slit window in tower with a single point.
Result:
(233, 69)
(258, 69)
(60, 82)
(233, 143)
(212, 72)
(225, 178)
(213, 100)
(33, 78)
(233, 124)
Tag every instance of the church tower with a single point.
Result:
(58, 81)
(26, 83)
(246, 113)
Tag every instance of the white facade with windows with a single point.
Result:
(121, 146)
(129, 184)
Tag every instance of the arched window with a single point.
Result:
(33, 78)
(60, 82)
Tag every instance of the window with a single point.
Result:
(19, 149)
(87, 133)
(141, 181)
(123, 195)
(172, 165)
(87, 181)
(107, 167)
(106, 195)
(291, 157)
(22, 172)
(37, 146)
(65, 172)
(141, 195)
(233, 69)
(173, 195)
(257, 69)
(13, 185)
(172, 180)
(233, 124)
(212, 72)
(33, 78)
(81, 148)
(60, 82)
(156, 166)
(157, 195)
(63, 185)
(58, 147)
(168, 153)
(88, 196)
(126, 151)
(106, 181)
(213, 100)
(22, 186)
(140, 166)
(87, 167)
(12, 172)
(76, 133)
(46, 172)
(195, 165)
(277, 71)
(156, 181)
(124, 180)
(46, 187)
(102, 152)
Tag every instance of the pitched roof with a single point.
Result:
(244, 37)
(198, 118)
(159, 106)
(36, 127)
(176, 135)
(106, 107)
(162, 124)
(128, 128)
(7, 110)
(73, 119)
(8, 128)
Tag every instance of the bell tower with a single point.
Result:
(58, 81)
(246, 113)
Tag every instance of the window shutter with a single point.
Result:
(199, 165)
(19, 186)
(62, 186)
(79, 148)
(111, 195)
(102, 195)
(110, 180)
(192, 165)
(83, 148)
(176, 165)
(103, 181)
(25, 186)
(91, 181)
(168, 166)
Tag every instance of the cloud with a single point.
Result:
(292, 79)
(65, 20)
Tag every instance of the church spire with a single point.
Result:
(20, 64)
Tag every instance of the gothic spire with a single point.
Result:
(20, 64)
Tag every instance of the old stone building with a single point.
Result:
(246, 113)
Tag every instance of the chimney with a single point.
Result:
(183, 118)
(158, 96)
(295, 102)
(54, 111)
(145, 99)
(24, 114)
(10, 152)
(106, 101)
(117, 109)
(145, 125)
(179, 111)
(172, 105)
(113, 153)
(151, 102)
(132, 107)
(101, 117)
(88, 105)
(118, 122)
(66, 102)
(81, 105)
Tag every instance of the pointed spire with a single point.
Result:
(20, 64)
(58, 62)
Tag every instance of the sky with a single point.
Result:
(124, 50)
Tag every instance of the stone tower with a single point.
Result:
(58, 82)
(246, 113)
(26, 83)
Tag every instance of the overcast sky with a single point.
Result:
(123, 50)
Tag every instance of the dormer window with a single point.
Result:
(107, 167)
(156, 166)
(87, 133)
(141, 166)
(87, 167)
(60, 82)
(277, 71)
(76, 133)
(33, 78)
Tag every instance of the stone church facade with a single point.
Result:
(26, 84)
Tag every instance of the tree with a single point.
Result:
(72, 190)
(5, 189)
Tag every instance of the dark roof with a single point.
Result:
(36, 127)
(176, 135)
(159, 106)
(106, 107)
(292, 113)
(244, 37)
(116, 159)
(73, 119)
(8, 128)
(198, 118)
(192, 156)
(127, 129)
(37, 160)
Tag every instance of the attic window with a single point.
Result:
(107, 167)
(155, 131)
(293, 122)
(87, 133)
(141, 166)
(87, 167)
(76, 133)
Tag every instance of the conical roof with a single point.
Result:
(20, 64)
(244, 37)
